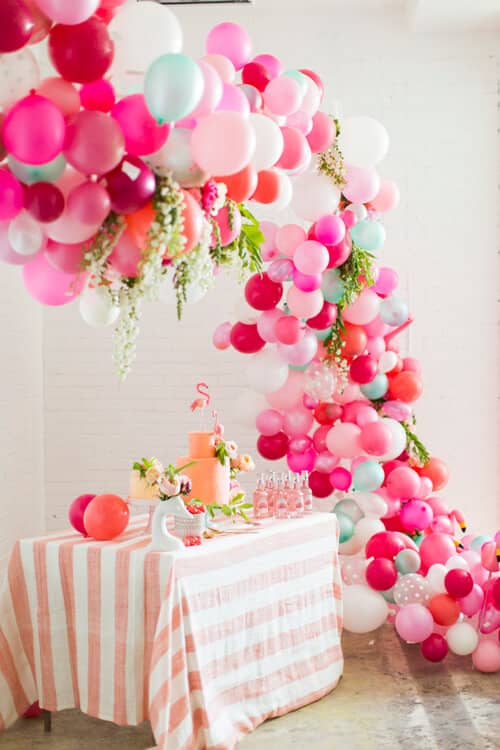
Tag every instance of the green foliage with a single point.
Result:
(414, 445)
(236, 507)
(356, 274)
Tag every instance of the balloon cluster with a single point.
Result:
(101, 517)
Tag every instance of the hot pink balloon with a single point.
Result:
(50, 286)
(89, 203)
(222, 337)
(387, 281)
(232, 41)
(304, 282)
(269, 422)
(271, 63)
(11, 195)
(319, 437)
(329, 230)
(403, 483)
(77, 510)
(301, 461)
(94, 143)
(229, 223)
(142, 133)
(341, 478)
(98, 95)
(416, 515)
(33, 130)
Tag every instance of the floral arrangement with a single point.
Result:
(168, 479)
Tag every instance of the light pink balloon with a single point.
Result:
(61, 93)
(364, 308)
(126, 256)
(94, 142)
(387, 281)
(302, 352)
(63, 257)
(232, 40)
(7, 254)
(387, 197)
(280, 269)
(266, 323)
(301, 121)
(297, 422)
(322, 133)
(223, 143)
(89, 203)
(290, 394)
(344, 440)
(271, 64)
(472, 603)
(325, 462)
(304, 304)
(233, 100)
(288, 238)
(375, 347)
(269, 422)
(222, 336)
(68, 13)
(212, 92)
(50, 286)
(311, 257)
(282, 96)
(486, 657)
(222, 65)
(362, 184)
(414, 623)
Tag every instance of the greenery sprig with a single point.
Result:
(98, 251)
(235, 507)
(356, 274)
(414, 445)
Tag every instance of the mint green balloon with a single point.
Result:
(332, 286)
(322, 335)
(173, 86)
(368, 476)
(376, 388)
(388, 595)
(31, 173)
(368, 234)
(299, 368)
(349, 507)
(346, 526)
(407, 561)
(299, 77)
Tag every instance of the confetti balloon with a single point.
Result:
(412, 589)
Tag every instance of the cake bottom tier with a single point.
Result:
(139, 489)
(209, 477)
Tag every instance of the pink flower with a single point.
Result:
(231, 448)
(246, 463)
(186, 484)
(169, 487)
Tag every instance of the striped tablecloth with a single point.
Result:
(207, 644)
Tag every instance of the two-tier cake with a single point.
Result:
(209, 476)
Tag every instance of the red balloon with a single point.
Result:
(495, 593)
(245, 338)
(268, 186)
(77, 510)
(98, 95)
(327, 413)
(405, 386)
(363, 369)
(325, 318)
(262, 293)
(255, 74)
(273, 447)
(106, 517)
(240, 186)
(288, 329)
(354, 339)
(381, 574)
(44, 201)
(458, 582)
(384, 544)
(444, 609)
(81, 53)
(16, 25)
(434, 648)
(320, 484)
(130, 185)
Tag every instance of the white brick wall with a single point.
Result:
(438, 97)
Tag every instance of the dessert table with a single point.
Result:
(206, 644)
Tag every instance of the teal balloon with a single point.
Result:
(173, 86)
(418, 539)
(349, 507)
(388, 595)
(299, 368)
(368, 476)
(31, 173)
(332, 286)
(346, 527)
(322, 335)
(299, 77)
(478, 542)
(376, 388)
(407, 561)
(368, 234)
(393, 311)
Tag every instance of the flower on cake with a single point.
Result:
(169, 480)
(245, 462)
(232, 449)
(154, 472)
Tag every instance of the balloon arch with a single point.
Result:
(132, 172)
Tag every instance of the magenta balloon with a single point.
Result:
(269, 422)
(340, 478)
(329, 230)
(245, 338)
(76, 511)
(130, 185)
(44, 201)
(387, 281)
(142, 133)
(16, 25)
(320, 484)
(81, 53)
(126, 256)
(98, 95)
(63, 257)
(11, 195)
(7, 254)
(50, 286)
(273, 447)
(89, 203)
(94, 143)
(302, 461)
(34, 130)
(305, 282)
(280, 270)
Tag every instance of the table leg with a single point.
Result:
(47, 721)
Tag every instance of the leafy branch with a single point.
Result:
(356, 274)
(235, 507)
(414, 445)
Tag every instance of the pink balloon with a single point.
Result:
(288, 238)
(414, 623)
(295, 149)
(89, 203)
(253, 96)
(266, 323)
(376, 438)
(142, 133)
(329, 230)
(223, 142)
(33, 130)
(403, 483)
(282, 96)
(222, 339)
(387, 281)
(410, 364)
(304, 304)
(271, 63)
(290, 394)
(222, 65)
(61, 93)
(341, 478)
(442, 525)
(126, 256)
(397, 410)
(362, 184)
(280, 270)
(319, 437)
(98, 95)
(322, 134)
(486, 657)
(63, 257)
(76, 511)
(297, 422)
(375, 347)
(301, 121)
(11, 195)
(436, 548)
(416, 515)
(305, 282)
(232, 41)
(288, 329)
(233, 100)
(364, 309)
(344, 440)
(60, 11)
(50, 286)
(376, 327)
(339, 253)
(94, 143)
(326, 463)
(301, 461)
(387, 196)
(269, 422)
(7, 254)
(300, 444)
(229, 224)
(302, 352)
(212, 91)
(311, 258)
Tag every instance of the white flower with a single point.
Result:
(169, 487)
(153, 474)
(231, 448)
(246, 462)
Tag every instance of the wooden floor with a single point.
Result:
(389, 698)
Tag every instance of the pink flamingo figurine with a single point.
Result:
(201, 403)
(218, 428)
(388, 338)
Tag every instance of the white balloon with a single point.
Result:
(359, 210)
(314, 196)
(435, 578)
(364, 529)
(312, 98)
(96, 307)
(462, 638)
(372, 505)
(388, 360)
(265, 371)
(268, 139)
(141, 33)
(363, 141)
(19, 74)
(456, 561)
(364, 609)
(175, 158)
(25, 234)
(398, 443)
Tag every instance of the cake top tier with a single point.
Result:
(201, 445)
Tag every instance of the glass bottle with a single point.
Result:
(270, 486)
(306, 493)
(298, 498)
(280, 501)
(260, 504)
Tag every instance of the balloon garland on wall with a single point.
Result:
(130, 173)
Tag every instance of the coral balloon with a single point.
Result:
(437, 471)
(268, 187)
(242, 185)
(436, 548)
(106, 517)
(444, 609)
(81, 53)
(94, 143)
(405, 386)
(61, 93)
(295, 149)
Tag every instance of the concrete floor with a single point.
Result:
(389, 698)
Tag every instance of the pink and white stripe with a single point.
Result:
(206, 644)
